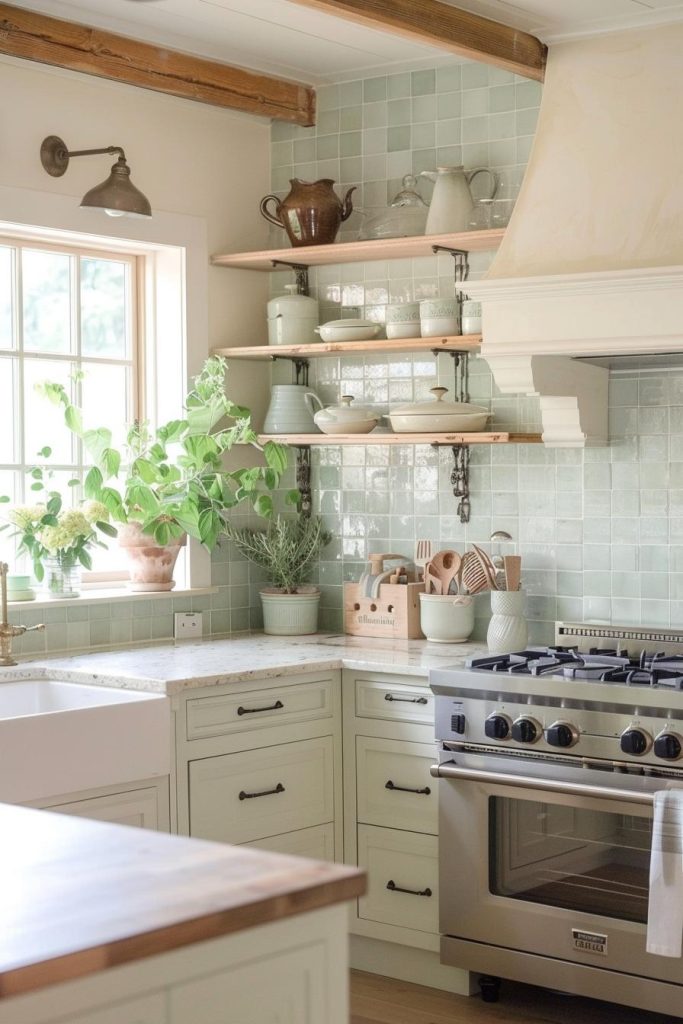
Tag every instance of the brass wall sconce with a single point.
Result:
(117, 196)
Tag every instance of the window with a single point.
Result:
(70, 315)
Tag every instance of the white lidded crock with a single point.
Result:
(292, 318)
(439, 417)
(446, 618)
(345, 418)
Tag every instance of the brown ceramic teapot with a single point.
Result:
(312, 212)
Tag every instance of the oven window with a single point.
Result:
(571, 857)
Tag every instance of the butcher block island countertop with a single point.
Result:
(78, 896)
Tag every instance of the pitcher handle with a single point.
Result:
(471, 175)
(273, 218)
(309, 399)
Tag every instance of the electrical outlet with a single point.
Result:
(187, 625)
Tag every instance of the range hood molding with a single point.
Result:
(590, 314)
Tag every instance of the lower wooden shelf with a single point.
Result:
(492, 437)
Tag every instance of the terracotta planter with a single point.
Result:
(151, 565)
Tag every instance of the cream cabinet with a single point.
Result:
(259, 762)
(390, 805)
(144, 804)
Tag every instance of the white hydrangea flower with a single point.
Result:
(95, 512)
(25, 516)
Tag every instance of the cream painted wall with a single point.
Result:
(602, 190)
(188, 158)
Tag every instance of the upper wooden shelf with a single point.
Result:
(453, 343)
(481, 437)
(361, 252)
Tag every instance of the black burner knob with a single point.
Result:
(561, 734)
(634, 741)
(668, 746)
(497, 727)
(525, 730)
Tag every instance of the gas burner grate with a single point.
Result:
(657, 669)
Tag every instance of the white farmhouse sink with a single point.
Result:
(60, 738)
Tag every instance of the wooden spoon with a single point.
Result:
(446, 565)
(513, 571)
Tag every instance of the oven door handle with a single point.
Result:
(449, 771)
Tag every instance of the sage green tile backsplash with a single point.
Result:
(600, 530)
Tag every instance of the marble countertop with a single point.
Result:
(172, 668)
(80, 896)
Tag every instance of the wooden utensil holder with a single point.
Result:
(394, 613)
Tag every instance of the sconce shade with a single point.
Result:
(118, 195)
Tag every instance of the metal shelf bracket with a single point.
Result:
(461, 371)
(300, 274)
(303, 478)
(460, 479)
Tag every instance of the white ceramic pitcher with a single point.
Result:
(452, 204)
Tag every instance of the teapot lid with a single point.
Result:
(438, 407)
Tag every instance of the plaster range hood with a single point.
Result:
(592, 261)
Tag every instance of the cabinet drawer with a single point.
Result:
(395, 788)
(394, 701)
(138, 808)
(149, 1009)
(235, 798)
(317, 843)
(242, 712)
(399, 860)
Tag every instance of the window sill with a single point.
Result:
(109, 597)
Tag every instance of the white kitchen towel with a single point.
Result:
(665, 906)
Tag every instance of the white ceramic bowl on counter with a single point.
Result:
(348, 330)
(438, 417)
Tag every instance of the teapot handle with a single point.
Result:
(273, 218)
(471, 175)
(310, 399)
(347, 204)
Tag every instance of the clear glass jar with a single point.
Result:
(62, 577)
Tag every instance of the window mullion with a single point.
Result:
(76, 336)
(19, 345)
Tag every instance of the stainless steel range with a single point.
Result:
(548, 761)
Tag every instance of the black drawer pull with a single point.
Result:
(406, 789)
(406, 700)
(254, 711)
(411, 892)
(267, 792)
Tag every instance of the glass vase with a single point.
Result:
(62, 578)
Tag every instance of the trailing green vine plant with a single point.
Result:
(171, 479)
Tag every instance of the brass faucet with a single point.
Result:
(7, 632)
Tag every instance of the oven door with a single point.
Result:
(556, 865)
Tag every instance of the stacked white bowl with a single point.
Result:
(403, 320)
(438, 318)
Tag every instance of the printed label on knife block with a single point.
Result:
(395, 612)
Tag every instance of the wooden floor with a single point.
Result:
(376, 1000)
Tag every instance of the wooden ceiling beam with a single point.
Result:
(76, 47)
(448, 28)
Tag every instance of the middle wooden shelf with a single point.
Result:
(446, 440)
(451, 343)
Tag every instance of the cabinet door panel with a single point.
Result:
(138, 808)
(317, 843)
(284, 989)
(399, 860)
(394, 702)
(149, 1009)
(394, 786)
(243, 712)
(236, 798)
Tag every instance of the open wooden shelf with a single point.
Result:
(361, 252)
(452, 343)
(481, 437)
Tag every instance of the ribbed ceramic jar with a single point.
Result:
(507, 630)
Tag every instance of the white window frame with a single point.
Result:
(174, 290)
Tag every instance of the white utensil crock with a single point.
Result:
(446, 619)
(507, 630)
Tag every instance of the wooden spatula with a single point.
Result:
(512, 564)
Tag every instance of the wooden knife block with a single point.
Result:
(394, 613)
